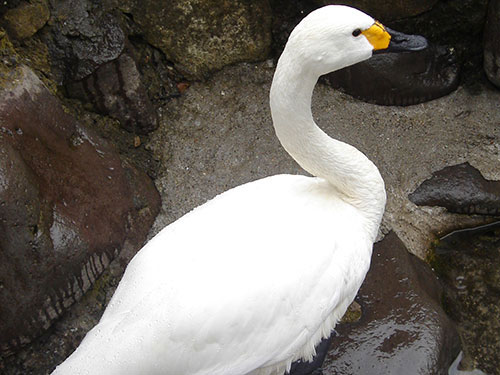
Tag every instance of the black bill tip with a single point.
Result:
(401, 42)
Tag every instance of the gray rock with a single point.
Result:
(492, 43)
(461, 189)
(68, 205)
(93, 59)
(82, 38)
(403, 329)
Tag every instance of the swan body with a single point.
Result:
(253, 279)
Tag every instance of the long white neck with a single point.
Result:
(354, 178)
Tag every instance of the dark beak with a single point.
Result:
(403, 42)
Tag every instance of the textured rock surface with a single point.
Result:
(492, 43)
(460, 189)
(386, 10)
(83, 36)
(68, 205)
(201, 36)
(92, 57)
(403, 329)
(26, 19)
(468, 261)
(115, 89)
(400, 78)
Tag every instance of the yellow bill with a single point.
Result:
(378, 36)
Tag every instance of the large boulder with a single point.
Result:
(386, 10)
(403, 328)
(68, 206)
(400, 78)
(201, 36)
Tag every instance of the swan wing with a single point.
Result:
(251, 280)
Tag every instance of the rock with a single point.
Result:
(455, 24)
(403, 329)
(386, 10)
(95, 62)
(26, 19)
(116, 89)
(460, 189)
(468, 261)
(492, 43)
(202, 36)
(400, 78)
(82, 38)
(68, 205)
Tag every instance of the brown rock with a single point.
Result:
(403, 329)
(115, 89)
(67, 206)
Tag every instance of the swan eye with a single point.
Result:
(356, 32)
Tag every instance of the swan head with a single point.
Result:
(336, 36)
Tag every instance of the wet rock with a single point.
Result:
(116, 89)
(492, 43)
(96, 64)
(460, 189)
(403, 329)
(201, 36)
(386, 10)
(468, 261)
(26, 19)
(400, 78)
(82, 37)
(68, 205)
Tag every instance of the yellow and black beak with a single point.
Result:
(384, 39)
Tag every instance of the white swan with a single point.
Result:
(253, 279)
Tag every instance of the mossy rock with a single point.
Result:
(202, 36)
(8, 60)
(25, 20)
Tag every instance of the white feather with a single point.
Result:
(255, 278)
